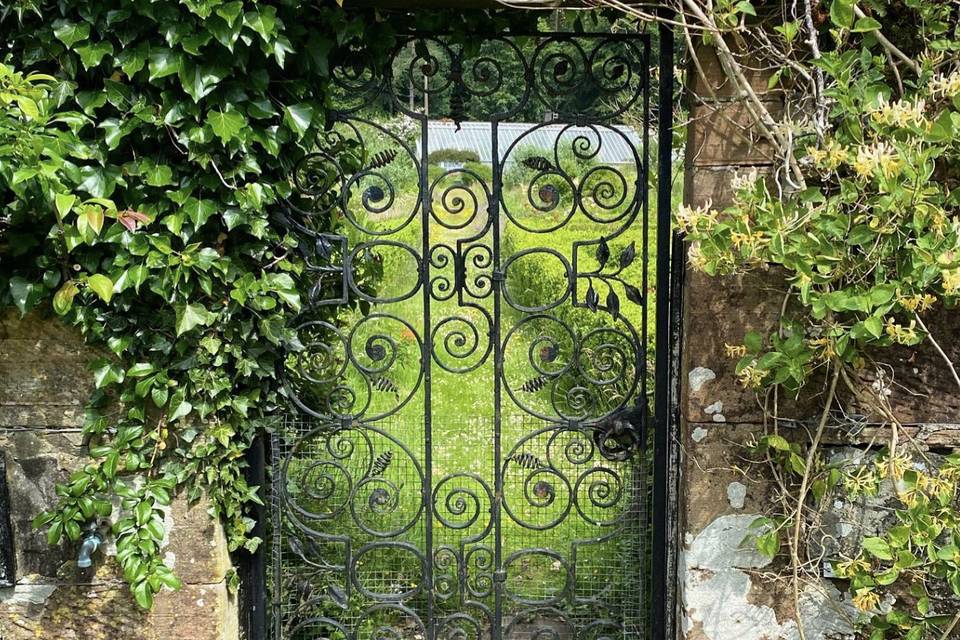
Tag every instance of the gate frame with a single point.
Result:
(253, 600)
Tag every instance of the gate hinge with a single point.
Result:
(500, 576)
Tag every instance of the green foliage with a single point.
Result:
(869, 247)
(139, 166)
(457, 156)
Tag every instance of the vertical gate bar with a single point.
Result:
(426, 357)
(494, 213)
(253, 565)
(676, 328)
(643, 471)
(276, 551)
(662, 436)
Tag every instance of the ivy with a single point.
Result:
(144, 148)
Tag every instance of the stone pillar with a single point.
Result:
(727, 590)
(44, 383)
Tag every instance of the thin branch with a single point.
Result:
(936, 345)
(802, 495)
(889, 46)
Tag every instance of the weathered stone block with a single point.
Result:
(723, 133)
(709, 81)
(44, 385)
(44, 380)
(105, 609)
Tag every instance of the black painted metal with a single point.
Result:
(8, 558)
(396, 511)
(662, 576)
(253, 566)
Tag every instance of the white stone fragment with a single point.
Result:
(737, 494)
(716, 407)
(698, 377)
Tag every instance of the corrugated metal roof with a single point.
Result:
(476, 137)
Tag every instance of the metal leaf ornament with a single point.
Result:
(633, 294)
(537, 163)
(628, 256)
(613, 304)
(603, 253)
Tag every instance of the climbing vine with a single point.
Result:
(144, 154)
(861, 221)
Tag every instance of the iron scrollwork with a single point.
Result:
(530, 532)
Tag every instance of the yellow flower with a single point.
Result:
(945, 86)
(879, 155)
(951, 280)
(698, 262)
(739, 239)
(735, 350)
(917, 302)
(850, 568)
(835, 154)
(866, 162)
(902, 334)
(866, 599)
(901, 113)
(688, 218)
(751, 377)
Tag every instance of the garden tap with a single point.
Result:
(89, 544)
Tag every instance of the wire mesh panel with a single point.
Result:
(465, 457)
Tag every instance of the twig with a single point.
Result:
(951, 627)
(889, 46)
(802, 495)
(936, 345)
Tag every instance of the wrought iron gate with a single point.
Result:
(468, 457)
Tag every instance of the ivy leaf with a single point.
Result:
(753, 341)
(64, 202)
(63, 298)
(179, 407)
(190, 316)
(874, 324)
(226, 125)
(199, 210)
(230, 11)
(263, 21)
(24, 293)
(106, 372)
(70, 33)
(92, 54)
(163, 63)
(199, 80)
(101, 285)
(143, 595)
(769, 544)
(298, 117)
(93, 217)
(133, 59)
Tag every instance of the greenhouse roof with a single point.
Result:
(476, 137)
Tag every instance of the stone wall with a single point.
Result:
(728, 591)
(44, 383)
